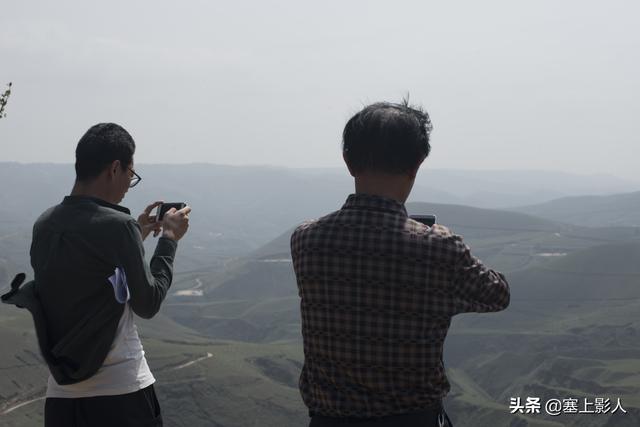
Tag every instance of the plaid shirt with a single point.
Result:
(378, 291)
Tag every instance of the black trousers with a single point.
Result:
(140, 409)
(429, 418)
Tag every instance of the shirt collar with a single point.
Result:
(72, 200)
(374, 202)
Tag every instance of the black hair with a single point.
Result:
(100, 146)
(387, 137)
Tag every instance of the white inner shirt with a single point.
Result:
(123, 371)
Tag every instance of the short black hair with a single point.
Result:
(99, 147)
(387, 137)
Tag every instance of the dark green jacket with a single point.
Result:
(76, 246)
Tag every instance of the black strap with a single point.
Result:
(15, 285)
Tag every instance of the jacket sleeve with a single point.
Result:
(148, 284)
(475, 287)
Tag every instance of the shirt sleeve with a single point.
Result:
(475, 287)
(148, 284)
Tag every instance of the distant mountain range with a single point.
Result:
(502, 188)
(38, 185)
(241, 208)
(595, 211)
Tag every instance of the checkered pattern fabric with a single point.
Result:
(378, 291)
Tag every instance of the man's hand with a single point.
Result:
(148, 222)
(175, 223)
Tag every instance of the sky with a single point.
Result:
(544, 85)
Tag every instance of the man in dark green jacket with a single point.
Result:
(90, 278)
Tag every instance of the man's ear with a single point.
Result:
(113, 168)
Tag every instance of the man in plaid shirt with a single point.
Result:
(378, 289)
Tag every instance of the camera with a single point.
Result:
(163, 208)
(428, 220)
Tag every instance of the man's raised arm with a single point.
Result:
(148, 285)
(475, 287)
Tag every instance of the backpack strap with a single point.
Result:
(15, 285)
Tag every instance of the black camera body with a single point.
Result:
(428, 220)
(166, 206)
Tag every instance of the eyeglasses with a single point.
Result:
(135, 179)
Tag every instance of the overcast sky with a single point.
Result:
(509, 84)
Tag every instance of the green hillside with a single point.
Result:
(226, 348)
(200, 382)
(603, 272)
(577, 309)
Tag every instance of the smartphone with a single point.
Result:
(163, 208)
(425, 219)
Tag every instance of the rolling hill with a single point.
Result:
(255, 297)
(594, 211)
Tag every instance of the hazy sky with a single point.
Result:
(509, 84)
